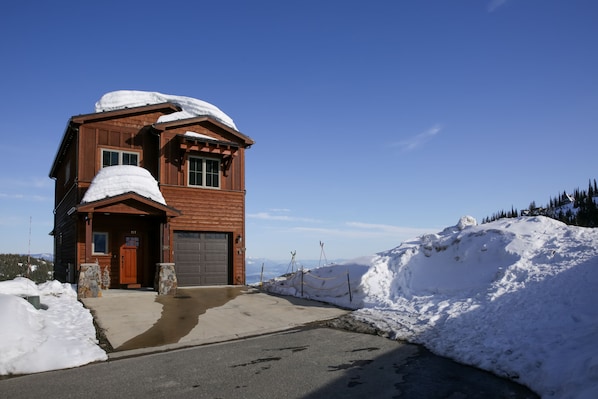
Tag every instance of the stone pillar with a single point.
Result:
(90, 278)
(165, 282)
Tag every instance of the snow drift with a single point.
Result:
(60, 335)
(516, 297)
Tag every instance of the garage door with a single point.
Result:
(201, 258)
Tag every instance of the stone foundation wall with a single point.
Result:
(165, 282)
(90, 281)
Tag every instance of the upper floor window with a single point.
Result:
(115, 157)
(204, 172)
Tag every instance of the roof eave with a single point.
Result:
(91, 206)
(162, 126)
(165, 108)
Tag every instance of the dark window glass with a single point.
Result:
(132, 241)
(109, 158)
(212, 173)
(195, 172)
(130, 159)
(100, 243)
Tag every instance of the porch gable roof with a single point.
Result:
(122, 203)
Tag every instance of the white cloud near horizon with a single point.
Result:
(26, 197)
(494, 4)
(36, 182)
(419, 139)
(390, 229)
(368, 230)
(280, 217)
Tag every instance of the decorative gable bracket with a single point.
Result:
(225, 150)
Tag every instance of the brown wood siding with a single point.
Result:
(174, 164)
(149, 156)
(91, 147)
(65, 237)
(66, 173)
(205, 209)
(210, 210)
(126, 134)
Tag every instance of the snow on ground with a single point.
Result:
(58, 335)
(191, 107)
(120, 179)
(516, 297)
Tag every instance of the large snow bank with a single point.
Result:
(516, 297)
(60, 335)
(191, 107)
(120, 179)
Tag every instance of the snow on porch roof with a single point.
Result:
(191, 107)
(120, 179)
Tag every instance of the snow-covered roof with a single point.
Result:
(120, 179)
(191, 107)
(199, 135)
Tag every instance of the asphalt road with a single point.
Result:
(309, 362)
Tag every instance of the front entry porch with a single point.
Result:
(126, 236)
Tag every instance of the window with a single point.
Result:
(100, 243)
(113, 157)
(204, 172)
(132, 241)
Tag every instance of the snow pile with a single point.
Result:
(59, 335)
(199, 135)
(120, 179)
(191, 107)
(516, 297)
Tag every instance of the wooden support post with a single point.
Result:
(166, 242)
(88, 236)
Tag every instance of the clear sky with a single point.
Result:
(374, 121)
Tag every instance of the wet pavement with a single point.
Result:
(135, 322)
(183, 311)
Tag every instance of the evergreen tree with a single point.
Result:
(584, 204)
(37, 270)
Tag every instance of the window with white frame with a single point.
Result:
(99, 245)
(116, 157)
(204, 172)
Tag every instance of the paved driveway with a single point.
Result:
(304, 362)
(136, 322)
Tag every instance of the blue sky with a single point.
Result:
(374, 122)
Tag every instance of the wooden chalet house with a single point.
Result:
(197, 162)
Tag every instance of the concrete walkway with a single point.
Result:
(137, 321)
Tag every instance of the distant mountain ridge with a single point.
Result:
(43, 255)
(274, 268)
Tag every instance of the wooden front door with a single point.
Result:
(128, 260)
